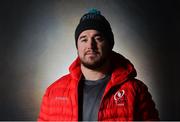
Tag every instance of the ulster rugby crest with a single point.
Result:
(120, 98)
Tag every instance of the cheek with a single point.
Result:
(80, 51)
(102, 47)
(105, 49)
(80, 46)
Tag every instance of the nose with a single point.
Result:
(92, 43)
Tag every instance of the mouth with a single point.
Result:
(91, 53)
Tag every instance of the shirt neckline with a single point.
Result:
(95, 82)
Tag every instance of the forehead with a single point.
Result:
(90, 32)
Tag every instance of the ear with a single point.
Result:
(77, 52)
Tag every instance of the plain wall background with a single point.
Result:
(37, 46)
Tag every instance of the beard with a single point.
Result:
(95, 65)
(93, 62)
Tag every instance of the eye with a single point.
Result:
(99, 38)
(83, 40)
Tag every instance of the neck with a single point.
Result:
(95, 74)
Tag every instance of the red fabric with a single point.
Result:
(125, 98)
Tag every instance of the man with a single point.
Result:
(101, 84)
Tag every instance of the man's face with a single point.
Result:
(92, 48)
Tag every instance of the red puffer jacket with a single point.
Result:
(125, 98)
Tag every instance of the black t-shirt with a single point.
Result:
(90, 98)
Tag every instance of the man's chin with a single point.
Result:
(93, 66)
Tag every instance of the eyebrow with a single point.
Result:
(98, 34)
(82, 37)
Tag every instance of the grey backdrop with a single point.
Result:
(37, 46)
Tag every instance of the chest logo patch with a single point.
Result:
(119, 97)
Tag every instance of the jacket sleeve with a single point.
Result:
(145, 106)
(44, 109)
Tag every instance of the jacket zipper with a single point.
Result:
(77, 93)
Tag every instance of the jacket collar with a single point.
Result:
(75, 69)
(122, 69)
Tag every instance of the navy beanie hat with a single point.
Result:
(94, 20)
